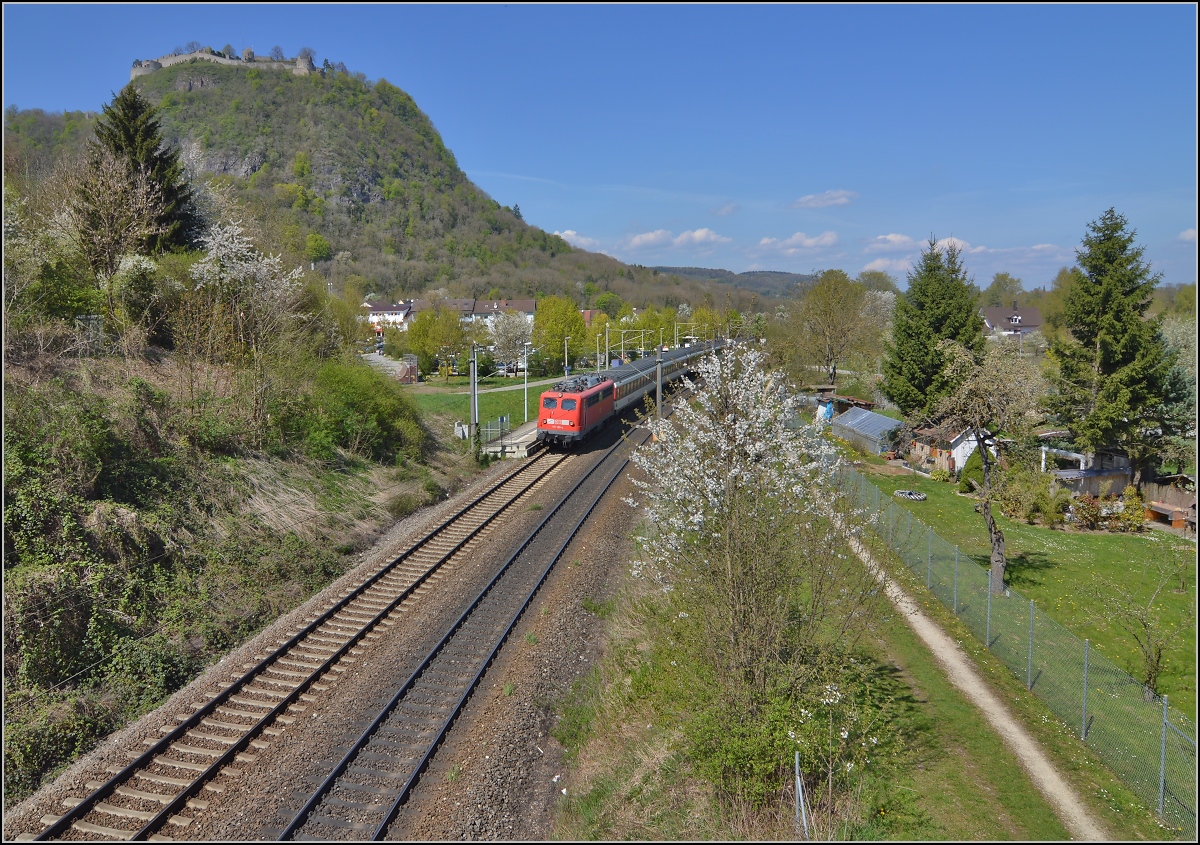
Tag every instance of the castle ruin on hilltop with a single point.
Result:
(300, 66)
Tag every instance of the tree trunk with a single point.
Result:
(999, 561)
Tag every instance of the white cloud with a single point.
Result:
(648, 239)
(890, 265)
(891, 243)
(800, 243)
(803, 241)
(962, 245)
(1188, 236)
(826, 199)
(575, 239)
(700, 237)
(726, 209)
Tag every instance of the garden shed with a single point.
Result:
(865, 429)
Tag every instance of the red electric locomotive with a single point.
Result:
(574, 409)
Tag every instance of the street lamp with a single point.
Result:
(565, 340)
(525, 348)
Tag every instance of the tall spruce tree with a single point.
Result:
(130, 130)
(940, 304)
(1114, 386)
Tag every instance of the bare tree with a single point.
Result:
(277, 53)
(106, 210)
(1140, 614)
(192, 46)
(306, 53)
(998, 393)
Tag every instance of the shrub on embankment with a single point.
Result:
(143, 537)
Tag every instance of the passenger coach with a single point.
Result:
(576, 408)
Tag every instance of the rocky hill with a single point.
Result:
(361, 166)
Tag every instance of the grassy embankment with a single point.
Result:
(960, 780)
(144, 538)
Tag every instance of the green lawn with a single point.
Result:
(969, 780)
(1056, 568)
(491, 404)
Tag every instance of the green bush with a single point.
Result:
(356, 408)
(1132, 517)
(941, 475)
(1087, 512)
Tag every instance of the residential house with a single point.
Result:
(485, 310)
(1014, 322)
(387, 315)
(464, 307)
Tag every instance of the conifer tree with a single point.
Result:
(940, 304)
(1114, 386)
(129, 129)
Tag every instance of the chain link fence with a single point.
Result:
(1133, 731)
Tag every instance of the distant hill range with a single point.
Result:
(762, 282)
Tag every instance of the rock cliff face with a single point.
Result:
(198, 160)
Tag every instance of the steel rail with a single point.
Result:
(147, 758)
(303, 814)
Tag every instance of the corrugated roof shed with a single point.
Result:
(865, 422)
(865, 429)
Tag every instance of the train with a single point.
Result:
(576, 408)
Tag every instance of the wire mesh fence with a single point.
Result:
(1151, 748)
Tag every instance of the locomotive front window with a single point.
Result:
(549, 403)
(569, 405)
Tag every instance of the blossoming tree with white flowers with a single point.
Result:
(747, 537)
(258, 296)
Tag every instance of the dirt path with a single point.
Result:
(954, 661)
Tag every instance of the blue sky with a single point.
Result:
(752, 137)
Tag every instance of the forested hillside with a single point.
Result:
(352, 177)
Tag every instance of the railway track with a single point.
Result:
(362, 794)
(162, 788)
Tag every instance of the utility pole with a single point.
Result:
(474, 400)
(607, 354)
(565, 340)
(526, 350)
(658, 377)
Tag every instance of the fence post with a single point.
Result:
(956, 580)
(1083, 729)
(1162, 764)
(801, 810)
(929, 563)
(1029, 672)
(797, 788)
(987, 637)
(891, 519)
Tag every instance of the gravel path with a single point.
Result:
(1062, 797)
